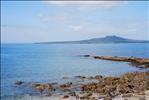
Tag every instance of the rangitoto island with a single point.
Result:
(106, 39)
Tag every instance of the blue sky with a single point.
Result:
(41, 21)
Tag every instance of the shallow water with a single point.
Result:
(51, 62)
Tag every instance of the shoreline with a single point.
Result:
(131, 96)
(134, 61)
(128, 86)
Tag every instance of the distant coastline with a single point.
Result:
(107, 39)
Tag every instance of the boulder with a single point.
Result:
(50, 87)
(19, 82)
(81, 77)
(65, 86)
(39, 87)
(86, 55)
(65, 96)
(98, 77)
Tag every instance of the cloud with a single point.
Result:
(75, 27)
(48, 17)
(22, 34)
(87, 4)
(109, 28)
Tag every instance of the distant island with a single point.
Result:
(107, 39)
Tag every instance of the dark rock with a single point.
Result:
(65, 96)
(98, 77)
(81, 77)
(101, 97)
(72, 93)
(86, 55)
(91, 77)
(19, 82)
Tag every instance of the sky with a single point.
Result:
(46, 21)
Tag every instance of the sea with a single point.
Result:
(51, 62)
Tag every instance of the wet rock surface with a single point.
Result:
(19, 82)
(134, 61)
(112, 86)
(65, 96)
(130, 85)
(39, 87)
(103, 88)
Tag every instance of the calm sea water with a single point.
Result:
(50, 62)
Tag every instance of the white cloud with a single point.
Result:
(108, 28)
(59, 17)
(75, 27)
(23, 34)
(87, 4)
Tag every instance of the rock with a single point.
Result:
(64, 86)
(91, 77)
(85, 97)
(89, 87)
(101, 97)
(98, 77)
(93, 98)
(65, 77)
(86, 55)
(50, 87)
(77, 97)
(66, 90)
(126, 95)
(72, 93)
(110, 87)
(146, 66)
(89, 94)
(111, 80)
(100, 90)
(19, 82)
(65, 96)
(141, 93)
(137, 62)
(142, 98)
(39, 87)
(135, 82)
(107, 98)
(81, 77)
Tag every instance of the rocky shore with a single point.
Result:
(129, 86)
(138, 62)
(126, 87)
